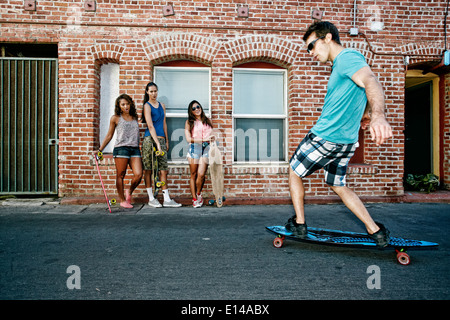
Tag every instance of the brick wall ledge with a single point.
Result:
(441, 196)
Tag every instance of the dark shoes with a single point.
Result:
(299, 230)
(381, 237)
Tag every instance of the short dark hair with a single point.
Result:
(321, 29)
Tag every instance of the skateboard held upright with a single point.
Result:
(98, 157)
(216, 170)
(157, 183)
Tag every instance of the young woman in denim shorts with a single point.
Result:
(126, 149)
(198, 131)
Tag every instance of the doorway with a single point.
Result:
(28, 119)
(419, 129)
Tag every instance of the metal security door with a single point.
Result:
(29, 126)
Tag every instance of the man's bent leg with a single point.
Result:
(354, 203)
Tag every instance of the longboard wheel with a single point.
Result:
(158, 184)
(403, 258)
(160, 153)
(100, 155)
(113, 201)
(278, 242)
(211, 202)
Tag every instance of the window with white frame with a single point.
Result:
(177, 87)
(259, 115)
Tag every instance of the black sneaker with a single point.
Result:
(381, 237)
(299, 230)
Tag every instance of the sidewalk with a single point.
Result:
(440, 196)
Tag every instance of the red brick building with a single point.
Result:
(245, 61)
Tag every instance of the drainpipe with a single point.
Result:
(354, 29)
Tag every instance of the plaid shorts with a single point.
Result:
(315, 153)
(147, 150)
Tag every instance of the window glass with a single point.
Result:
(259, 115)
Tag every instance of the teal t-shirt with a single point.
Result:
(345, 101)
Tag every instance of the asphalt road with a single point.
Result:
(82, 252)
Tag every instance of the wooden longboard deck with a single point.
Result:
(216, 170)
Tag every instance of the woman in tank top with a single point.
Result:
(126, 149)
(154, 115)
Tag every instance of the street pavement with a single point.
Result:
(76, 252)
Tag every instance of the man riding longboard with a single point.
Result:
(354, 98)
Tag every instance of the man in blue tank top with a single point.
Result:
(354, 97)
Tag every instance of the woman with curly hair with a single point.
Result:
(126, 149)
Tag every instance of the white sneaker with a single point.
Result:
(196, 204)
(171, 204)
(200, 200)
(154, 203)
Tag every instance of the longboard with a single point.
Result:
(351, 240)
(216, 170)
(99, 157)
(157, 183)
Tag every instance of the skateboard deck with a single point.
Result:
(216, 170)
(351, 240)
(99, 156)
(157, 184)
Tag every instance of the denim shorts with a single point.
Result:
(126, 152)
(198, 150)
(315, 153)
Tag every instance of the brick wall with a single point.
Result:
(137, 35)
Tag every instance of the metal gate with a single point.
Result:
(29, 126)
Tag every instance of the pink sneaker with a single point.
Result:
(128, 196)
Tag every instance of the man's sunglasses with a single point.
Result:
(312, 43)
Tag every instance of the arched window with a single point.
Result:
(180, 82)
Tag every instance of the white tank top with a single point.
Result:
(127, 133)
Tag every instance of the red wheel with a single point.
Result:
(278, 242)
(403, 258)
